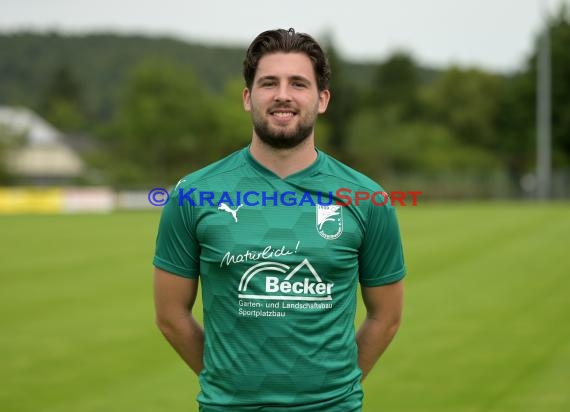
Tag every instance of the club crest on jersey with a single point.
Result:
(329, 221)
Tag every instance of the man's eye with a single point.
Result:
(267, 84)
(299, 85)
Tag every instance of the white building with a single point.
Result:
(42, 156)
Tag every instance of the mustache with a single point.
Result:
(283, 106)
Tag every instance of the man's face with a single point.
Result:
(284, 100)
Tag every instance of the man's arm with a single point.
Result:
(383, 315)
(174, 298)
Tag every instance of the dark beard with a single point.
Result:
(282, 140)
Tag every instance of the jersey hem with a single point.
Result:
(175, 270)
(385, 280)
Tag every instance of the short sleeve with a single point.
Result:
(381, 257)
(177, 250)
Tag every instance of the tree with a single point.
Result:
(233, 127)
(163, 122)
(342, 106)
(9, 141)
(387, 146)
(62, 102)
(395, 85)
(560, 40)
(467, 101)
(517, 122)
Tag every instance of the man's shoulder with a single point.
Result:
(337, 170)
(228, 164)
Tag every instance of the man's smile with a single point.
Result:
(282, 115)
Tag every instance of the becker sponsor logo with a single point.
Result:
(277, 281)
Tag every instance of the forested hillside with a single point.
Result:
(99, 65)
(158, 108)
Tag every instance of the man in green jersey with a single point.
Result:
(279, 255)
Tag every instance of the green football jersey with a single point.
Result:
(279, 262)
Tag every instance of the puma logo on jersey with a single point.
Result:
(228, 209)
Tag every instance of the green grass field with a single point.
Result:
(486, 325)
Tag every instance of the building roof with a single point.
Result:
(23, 121)
(44, 152)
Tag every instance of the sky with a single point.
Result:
(493, 34)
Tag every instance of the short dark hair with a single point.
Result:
(286, 41)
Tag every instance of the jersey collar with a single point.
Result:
(308, 171)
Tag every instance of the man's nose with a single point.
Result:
(283, 93)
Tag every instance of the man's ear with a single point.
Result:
(246, 96)
(324, 98)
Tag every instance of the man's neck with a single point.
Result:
(284, 162)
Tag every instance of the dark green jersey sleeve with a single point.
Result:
(177, 250)
(381, 259)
